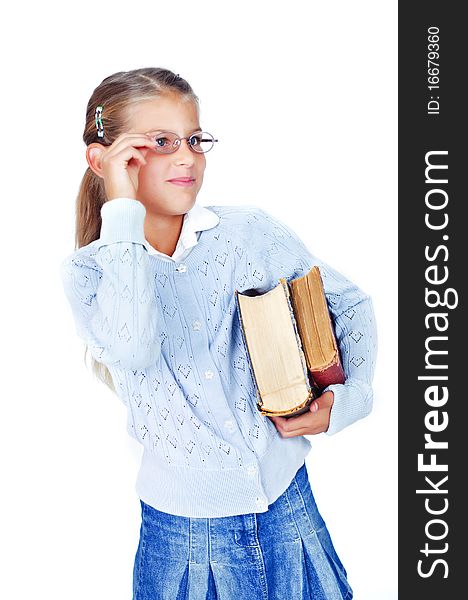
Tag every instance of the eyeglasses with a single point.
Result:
(167, 142)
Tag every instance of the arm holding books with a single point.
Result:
(357, 338)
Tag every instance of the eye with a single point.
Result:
(161, 141)
(195, 139)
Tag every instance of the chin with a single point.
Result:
(181, 206)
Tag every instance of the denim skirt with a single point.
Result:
(283, 553)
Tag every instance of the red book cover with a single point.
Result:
(332, 374)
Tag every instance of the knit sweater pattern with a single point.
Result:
(170, 335)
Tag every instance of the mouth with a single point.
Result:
(183, 181)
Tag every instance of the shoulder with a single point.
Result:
(231, 213)
(245, 218)
(83, 257)
(260, 231)
(251, 220)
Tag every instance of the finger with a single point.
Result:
(125, 155)
(317, 425)
(296, 432)
(133, 140)
(286, 424)
(131, 136)
(139, 156)
(294, 423)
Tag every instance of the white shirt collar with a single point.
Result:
(198, 218)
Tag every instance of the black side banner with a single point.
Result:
(432, 330)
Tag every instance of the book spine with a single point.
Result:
(310, 388)
(334, 373)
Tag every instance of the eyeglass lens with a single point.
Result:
(167, 142)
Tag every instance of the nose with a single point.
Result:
(184, 154)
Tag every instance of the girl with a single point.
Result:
(227, 508)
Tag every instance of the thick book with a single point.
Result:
(291, 345)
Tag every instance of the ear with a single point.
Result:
(94, 154)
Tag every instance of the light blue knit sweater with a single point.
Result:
(170, 336)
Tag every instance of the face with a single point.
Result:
(155, 191)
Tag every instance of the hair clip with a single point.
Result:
(98, 120)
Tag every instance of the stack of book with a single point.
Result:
(291, 344)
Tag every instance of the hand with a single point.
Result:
(316, 420)
(121, 163)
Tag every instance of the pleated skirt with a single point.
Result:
(285, 553)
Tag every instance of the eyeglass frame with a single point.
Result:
(179, 139)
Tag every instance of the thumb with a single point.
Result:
(314, 406)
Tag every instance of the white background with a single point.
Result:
(318, 77)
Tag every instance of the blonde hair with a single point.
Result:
(116, 93)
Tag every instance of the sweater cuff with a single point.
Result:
(122, 221)
(352, 401)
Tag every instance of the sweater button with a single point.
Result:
(181, 268)
(229, 425)
(209, 374)
(251, 470)
(196, 325)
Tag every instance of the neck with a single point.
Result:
(163, 231)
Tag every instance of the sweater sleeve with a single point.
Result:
(108, 284)
(285, 255)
